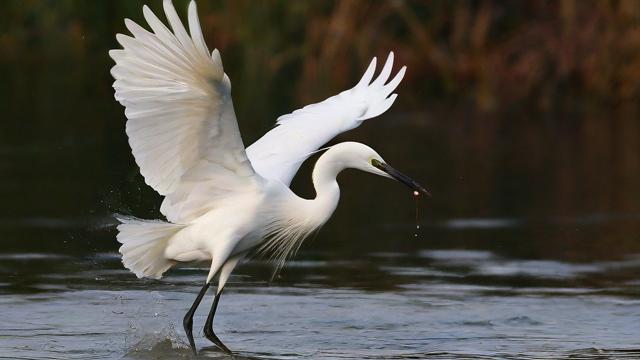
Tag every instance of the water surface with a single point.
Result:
(424, 303)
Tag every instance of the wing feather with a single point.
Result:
(196, 30)
(368, 74)
(384, 74)
(280, 152)
(181, 124)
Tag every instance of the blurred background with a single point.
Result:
(518, 114)
(520, 117)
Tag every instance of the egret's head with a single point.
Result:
(360, 156)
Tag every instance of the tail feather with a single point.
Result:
(143, 244)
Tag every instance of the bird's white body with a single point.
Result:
(222, 201)
(270, 213)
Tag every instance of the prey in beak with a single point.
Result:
(400, 177)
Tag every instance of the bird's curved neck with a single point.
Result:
(324, 176)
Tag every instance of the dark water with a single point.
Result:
(422, 303)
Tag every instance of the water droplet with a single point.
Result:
(415, 235)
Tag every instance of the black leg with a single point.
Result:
(208, 327)
(188, 318)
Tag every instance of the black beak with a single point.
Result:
(400, 177)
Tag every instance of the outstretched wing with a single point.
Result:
(280, 152)
(181, 123)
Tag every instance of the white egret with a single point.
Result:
(222, 201)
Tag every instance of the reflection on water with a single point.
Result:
(439, 304)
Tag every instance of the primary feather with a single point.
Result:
(181, 123)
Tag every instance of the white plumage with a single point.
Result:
(220, 200)
(280, 152)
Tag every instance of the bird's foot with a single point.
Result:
(188, 329)
(209, 334)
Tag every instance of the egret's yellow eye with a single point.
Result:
(376, 163)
